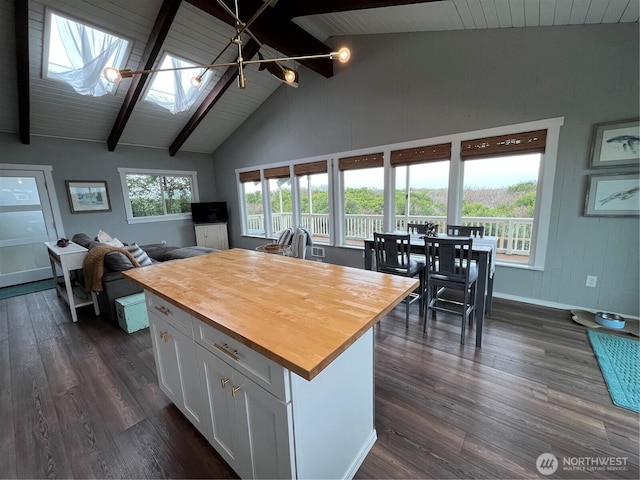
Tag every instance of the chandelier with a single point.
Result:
(274, 66)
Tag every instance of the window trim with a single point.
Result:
(121, 60)
(195, 196)
(206, 78)
(542, 215)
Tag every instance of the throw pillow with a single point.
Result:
(114, 242)
(139, 254)
(103, 237)
(299, 244)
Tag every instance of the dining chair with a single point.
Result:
(429, 228)
(449, 266)
(393, 256)
(465, 230)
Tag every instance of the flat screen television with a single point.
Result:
(209, 212)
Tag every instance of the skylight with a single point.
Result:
(77, 54)
(173, 90)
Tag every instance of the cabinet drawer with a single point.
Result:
(172, 314)
(266, 373)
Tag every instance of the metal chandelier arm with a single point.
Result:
(342, 55)
(290, 76)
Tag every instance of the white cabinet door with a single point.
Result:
(265, 422)
(221, 412)
(177, 367)
(166, 357)
(212, 236)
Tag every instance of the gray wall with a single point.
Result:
(76, 160)
(413, 86)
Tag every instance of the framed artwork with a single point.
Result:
(615, 144)
(88, 196)
(613, 195)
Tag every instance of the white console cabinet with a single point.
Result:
(212, 235)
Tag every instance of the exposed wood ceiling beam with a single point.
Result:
(296, 8)
(229, 76)
(275, 30)
(159, 33)
(21, 11)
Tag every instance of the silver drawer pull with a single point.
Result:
(224, 349)
(163, 310)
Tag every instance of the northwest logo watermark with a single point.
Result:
(548, 463)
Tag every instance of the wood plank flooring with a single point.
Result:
(81, 400)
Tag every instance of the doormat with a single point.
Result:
(619, 361)
(588, 320)
(15, 290)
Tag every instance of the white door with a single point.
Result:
(26, 222)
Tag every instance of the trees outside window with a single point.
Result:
(158, 195)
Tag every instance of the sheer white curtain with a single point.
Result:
(173, 90)
(88, 51)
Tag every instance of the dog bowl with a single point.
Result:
(610, 320)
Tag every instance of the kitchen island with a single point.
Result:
(271, 357)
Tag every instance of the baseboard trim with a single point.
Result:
(559, 306)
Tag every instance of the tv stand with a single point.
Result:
(212, 235)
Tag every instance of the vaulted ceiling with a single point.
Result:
(199, 30)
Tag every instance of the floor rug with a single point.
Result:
(619, 360)
(15, 290)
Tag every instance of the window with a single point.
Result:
(500, 186)
(313, 188)
(363, 197)
(173, 90)
(252, 204)
(279, 185)
(77, 54)
(421, 185)
(158, 195)
(502, 179)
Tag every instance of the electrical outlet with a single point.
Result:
(591, 281)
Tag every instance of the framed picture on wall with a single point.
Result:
(613, 195)
(616, 144)
(88, 196)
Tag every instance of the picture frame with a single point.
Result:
(613, 195)
(616, 144)
(86, 196)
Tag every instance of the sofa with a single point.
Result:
(114, 284)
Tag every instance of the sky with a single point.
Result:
(488, 173)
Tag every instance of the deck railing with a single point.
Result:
(514, 234)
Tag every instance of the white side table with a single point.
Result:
(70, 258)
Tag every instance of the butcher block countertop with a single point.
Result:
(299, 313)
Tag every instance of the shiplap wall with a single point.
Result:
(412, 86)
(75, 160)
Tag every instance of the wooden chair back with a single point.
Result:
(465, 230)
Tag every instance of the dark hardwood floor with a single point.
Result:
(81, 400)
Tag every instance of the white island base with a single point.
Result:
(264, 420)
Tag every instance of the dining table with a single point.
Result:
(483, 253)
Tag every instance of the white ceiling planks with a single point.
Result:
(56, 110)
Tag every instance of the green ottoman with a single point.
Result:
(132, 313)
